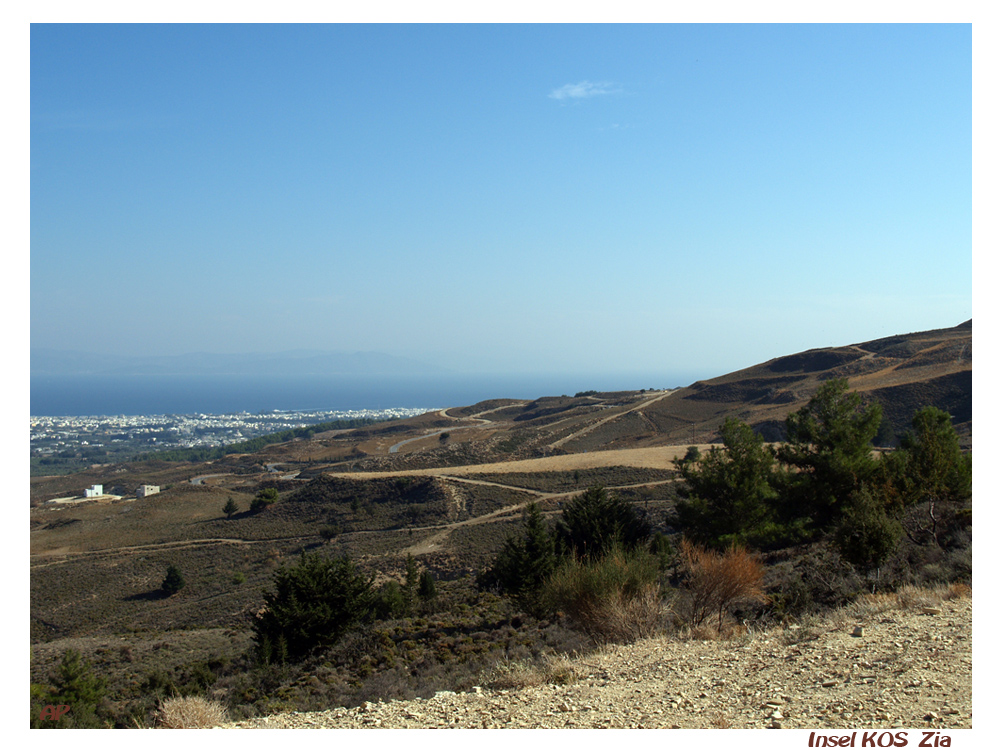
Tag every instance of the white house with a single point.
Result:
(146, 490)
(96, 491)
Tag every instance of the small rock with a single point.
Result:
(858, 632)
(931, 610)
(829, 683)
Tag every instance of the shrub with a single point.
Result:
(615, 598)
(192, 712)
(329, 532)
(516, 675)
(716, 580)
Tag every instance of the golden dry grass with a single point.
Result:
(643, 458)
(192, 712)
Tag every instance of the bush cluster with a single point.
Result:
(595, 566)
(825, 483)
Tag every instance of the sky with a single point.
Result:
(650, 198)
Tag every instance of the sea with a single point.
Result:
(78, 395)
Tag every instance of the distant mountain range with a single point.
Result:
(54, 362)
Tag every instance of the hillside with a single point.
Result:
(446, 488)
(912, 667)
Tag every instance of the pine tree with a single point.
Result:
(597, 520)
(230, 508)
(173, 582)
(76, 686)
(867, 533)
(728, 494)
(427, 590)
(524, 563)
(314, 604)
(830, 447)
(411, 585)
(930, 469)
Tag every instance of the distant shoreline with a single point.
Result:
(130, 395)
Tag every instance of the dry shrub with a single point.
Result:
(514, 675)
(719, 721)
(907, 597)
(192, 712)
(716, 580)
(959, 591)
(615, 599)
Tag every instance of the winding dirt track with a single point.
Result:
(432, 544)
(601, 422)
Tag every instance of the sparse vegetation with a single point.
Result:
(833, 519)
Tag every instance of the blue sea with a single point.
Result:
(206, 394)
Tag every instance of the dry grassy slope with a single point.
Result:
(903, 373)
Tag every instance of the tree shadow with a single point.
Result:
(147, 596)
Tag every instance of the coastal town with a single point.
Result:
(80, 436)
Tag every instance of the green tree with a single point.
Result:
(524, 563)
(428, 589)
(328, 532)
(264, 499)
(728, 494)
(596, 520)
(830, 446)
(930, 469)
(411, 584)
(75, 685)
(314, 604)
(230, 508)
(389, 601)
(173, 582)
(867, 533)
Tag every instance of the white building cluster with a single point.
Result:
(54, 435)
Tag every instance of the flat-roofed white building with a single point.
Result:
(145, 490)
(96, 491)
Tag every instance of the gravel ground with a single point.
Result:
(873, 665)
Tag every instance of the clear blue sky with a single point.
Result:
(652, 198)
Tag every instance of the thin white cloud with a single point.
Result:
(583, 90)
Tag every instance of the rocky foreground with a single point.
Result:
(892, 661)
